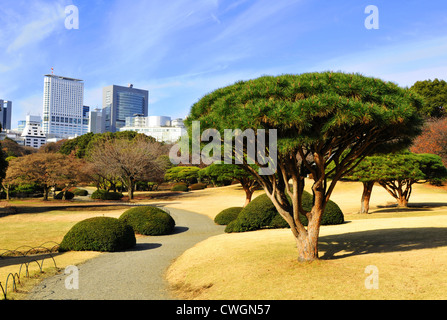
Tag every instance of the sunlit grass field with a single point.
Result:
(408, 246)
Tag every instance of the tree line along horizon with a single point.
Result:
(331, 127)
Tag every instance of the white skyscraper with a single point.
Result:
(63, 104)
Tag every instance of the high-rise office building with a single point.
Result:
(96, 121)
(63, 106)
(5, 114)
(120, 103)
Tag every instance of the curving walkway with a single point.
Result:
(136, 274)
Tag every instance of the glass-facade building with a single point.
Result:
(120, 103)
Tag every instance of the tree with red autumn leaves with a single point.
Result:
(433, 139)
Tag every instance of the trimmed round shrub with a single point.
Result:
(260, 213)
(105, 195)
(149, 221)
(227, 215)
(80, 192)
(68, 196)
(197, 186)
(179, 187)
(102, 234)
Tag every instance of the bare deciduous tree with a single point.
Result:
(130, 161)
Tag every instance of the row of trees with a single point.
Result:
(103, 159)
(397, 173)
(217, 174)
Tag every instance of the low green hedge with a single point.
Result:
(227, 215)
(102, 234)
(149, 221)
(197, 186)
(68, 196)
(180, 187)
(106, 195)
(260, 213)
(80, 192)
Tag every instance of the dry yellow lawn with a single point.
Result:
(23, 231)
(408, 248)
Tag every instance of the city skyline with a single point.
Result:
(182, 51)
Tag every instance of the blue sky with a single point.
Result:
(181, 50)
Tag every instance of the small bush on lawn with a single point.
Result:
(197, 186)
(80, 192)
(102, 234)
(149, 221)
(105, 195)
(227, 215)
(261, 213)
(180, 187)
(68, 196)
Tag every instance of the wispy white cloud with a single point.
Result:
(401, 63)
(34, 23)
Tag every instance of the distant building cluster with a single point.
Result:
(65, 116)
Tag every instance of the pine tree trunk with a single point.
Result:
(308, 246)
(402, 202)
(248, 196)
(366, 196)
(308, 243)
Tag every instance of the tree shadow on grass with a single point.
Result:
(412, 207)
(381, 241)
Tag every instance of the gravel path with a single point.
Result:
(135, 274)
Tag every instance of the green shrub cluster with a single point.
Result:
(261, 214)
(197, 186)
(106, 195)
(102, 234)
(227, 215)
(180, 187)
(149, 221)
(68, 195)
(80, 192)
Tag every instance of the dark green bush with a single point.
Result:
(261, 213)
(105, 195)
(197, 186)
(80, 192)
(227, 215)
(102, 234)
(179, 187)
(149, 221)
(68, 196)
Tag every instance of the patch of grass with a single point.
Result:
(409, 263)
(35, 229)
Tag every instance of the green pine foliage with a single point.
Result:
(311, 107)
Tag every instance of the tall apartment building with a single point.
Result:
(120, 103)
(63, 106)
(5, 114)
